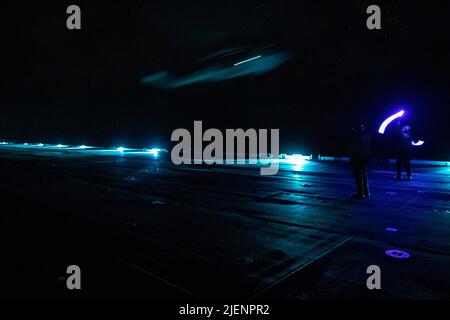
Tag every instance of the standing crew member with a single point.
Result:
(404, 144)
(359, 158)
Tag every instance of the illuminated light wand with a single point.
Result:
(388, 121)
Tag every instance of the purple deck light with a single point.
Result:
(397, 254)
(389, 120)
(391, 229)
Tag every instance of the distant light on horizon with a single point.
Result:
(154, 151)
(297, 157)
(298, 161)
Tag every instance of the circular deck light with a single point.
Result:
(397, 254)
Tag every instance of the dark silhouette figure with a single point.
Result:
(404, 143)
(359, 158)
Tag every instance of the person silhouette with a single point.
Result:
(404, 143)
(359, 159)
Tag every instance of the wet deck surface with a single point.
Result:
(142, 228)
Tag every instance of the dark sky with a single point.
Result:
(83, 86)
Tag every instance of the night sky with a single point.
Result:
(83, 87)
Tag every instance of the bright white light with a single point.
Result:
(154, 151)
(82, 147)
(389, 120)
(120, 149)
(297, 160)
(248, 60)
(299, 166)
(40, 144)
(297, 157)
(418, 143)
(60, 146)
